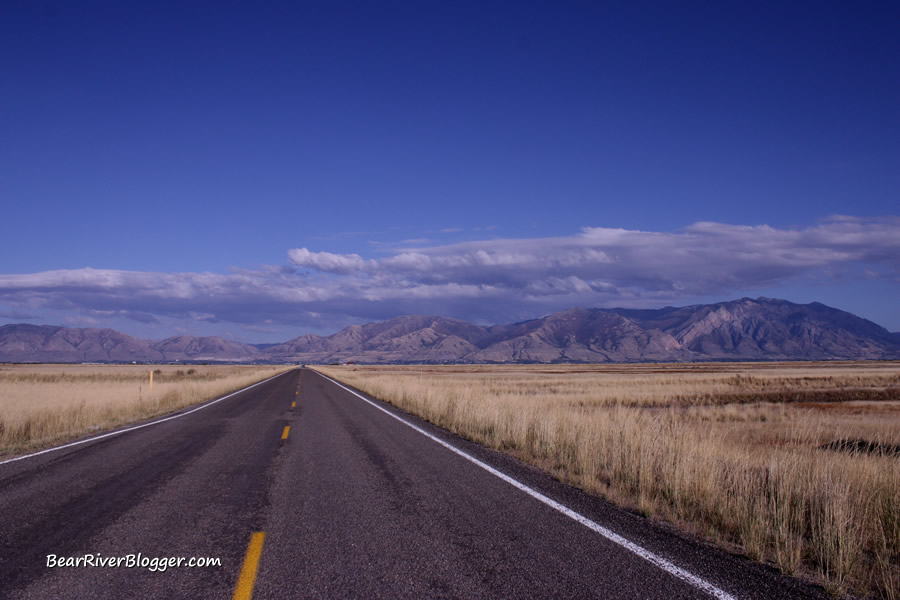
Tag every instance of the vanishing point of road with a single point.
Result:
(306, 489)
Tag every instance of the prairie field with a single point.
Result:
(46, 404)
(794, 464)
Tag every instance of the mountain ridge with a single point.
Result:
(743, 329)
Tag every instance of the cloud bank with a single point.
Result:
(493, 280)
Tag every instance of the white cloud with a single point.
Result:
(413, 261)
(494, 280)
(326, 261)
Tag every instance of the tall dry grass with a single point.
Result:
(748, 456)
(46, 404)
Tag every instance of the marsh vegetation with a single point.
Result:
(46, 404)
(790, 463)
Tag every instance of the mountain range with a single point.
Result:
(745, 329)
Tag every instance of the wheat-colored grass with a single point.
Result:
(46, 404)
(790, 463)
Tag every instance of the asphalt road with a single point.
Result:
(341, 500)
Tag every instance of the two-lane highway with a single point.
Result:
(316, 492)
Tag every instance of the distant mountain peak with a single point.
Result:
(743, 329)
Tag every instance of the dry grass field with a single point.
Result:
(46, 404)
(797, 464)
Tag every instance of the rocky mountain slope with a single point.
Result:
(188, 347)
(745, 329)
(47, 343)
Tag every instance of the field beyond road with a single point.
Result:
(42, 405)
(797, 464)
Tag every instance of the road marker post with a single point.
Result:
(177, 415)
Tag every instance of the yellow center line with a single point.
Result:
(284, 435)
(293, 405)
(247, 578)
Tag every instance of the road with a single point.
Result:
(309, 491)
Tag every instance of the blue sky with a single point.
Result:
(259, 171)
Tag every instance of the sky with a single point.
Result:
(263, 170)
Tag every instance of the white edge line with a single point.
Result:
(157, 422)
(655, 559)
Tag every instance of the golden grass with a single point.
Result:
(791, 463)
(46, 404)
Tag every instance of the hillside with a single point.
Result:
(745, 329)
